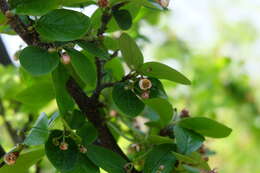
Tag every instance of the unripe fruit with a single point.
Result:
(103, 3)
(161, 167)
(145, 95)
(64, 146)
(65, 59)
(145, 84)
(10, 158)
(164, 3)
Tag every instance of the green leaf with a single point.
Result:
(39, 132)
(185, 159)
(60, 78)
(115, 68)
(126, 100)
(94, 48)
(38, 61)
(160, 156)
(37, 95)
(155, 139)
(3, 19)
(106, 159)
(84, 165)
(25, 161)
(162, 71)
(130, 51)
(123, 19)
(63, 160)
(88, 133)
(63, 25)
(84, 67)
(163, 108)
(34, 7)
(187, 141)
(77, 3)
(206, 127)
(75, 120)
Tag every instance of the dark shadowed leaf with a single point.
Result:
(84, 165)
(63, 160)
(94, 48)
(106, 159)
(88, 133)
(160, 155)
(126, 100)
(123, 19)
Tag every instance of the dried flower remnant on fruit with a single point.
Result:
(145, 95)
(82, 149)
(103, 3)
(9, 14)
(10, 158)
(164, 3)
(161, 167)
(64, 146)
(184, 113)
(65, 59)
(145, 84)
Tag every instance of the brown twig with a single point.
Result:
(90, 107)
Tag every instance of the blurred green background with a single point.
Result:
(213, 42)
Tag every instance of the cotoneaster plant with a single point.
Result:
(97, 101)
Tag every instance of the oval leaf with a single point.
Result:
(130, 51)
(206, 127)
(34, 7)
(106, 159)
(94, 49)
(84, 67)
(162, 71)
(88, 133)
(126, 100)
(160, 155)
(60, 159)
(187, 141)
(39, 132)
(161, 107)
(84, 165)
(38, 61)
(63, 25)
(64, 101)
(123, 19)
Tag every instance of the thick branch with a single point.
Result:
(90, 107)
(29, 36)
(4, 57)
(92, 110)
